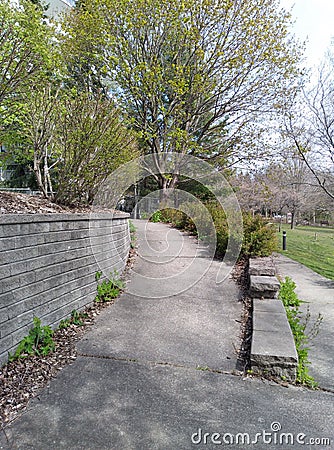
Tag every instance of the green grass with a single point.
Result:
(311, 246)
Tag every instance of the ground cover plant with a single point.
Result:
(38, 342)
(311, 246)
(298, 324)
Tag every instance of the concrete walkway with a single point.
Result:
(318, 294)
(158, 370)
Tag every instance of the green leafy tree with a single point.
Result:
(195, 76)
(82, 51)
(93, 142)
(28, 67)
(24, 38)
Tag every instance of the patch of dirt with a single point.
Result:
(17, 203)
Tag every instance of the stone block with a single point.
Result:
(273, 350)
(261, 266)
(7, 243)
(264, 286)
(273, 306)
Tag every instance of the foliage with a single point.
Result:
(132, 230)
(223, 234)
(259, 236)
(194, 76)
(35, 119)
(38, 342)
(24, 46)
(28, 59)
(298, 326)
(132, 227)
(75, 319)
(82, 52)
(156, 217)
(61, 125)
(108, 289)
(93, 142)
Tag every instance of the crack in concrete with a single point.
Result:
(199, 368)
(163, 363)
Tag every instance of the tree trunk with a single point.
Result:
(38, 175)
(292, 220)
(167, 187)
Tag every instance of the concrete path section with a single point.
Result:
(318, 294)
(173, 310)
(104, 404)
(157, 370)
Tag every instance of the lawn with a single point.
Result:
(311, 246)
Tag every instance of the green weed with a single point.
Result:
(38, 342)
(156, 216)
(108, 289)
(133, 237)
(75, 319)
(298, 326)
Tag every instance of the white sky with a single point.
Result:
(315, 22)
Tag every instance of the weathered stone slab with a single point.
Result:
(273, 354)
(264, 286)
(273, 349)
(261, 266)
(273, 306)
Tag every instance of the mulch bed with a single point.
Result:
(17, 203)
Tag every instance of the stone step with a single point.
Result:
(264, 286)
(273, 349)
(261, 266)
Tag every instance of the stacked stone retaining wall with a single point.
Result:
(48, 265)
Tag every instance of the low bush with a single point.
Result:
(108, 289)
(259, 238)
(76, 319)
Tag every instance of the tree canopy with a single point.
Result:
(56, 116)
(309, 127)
(24, 39)
(194, 75)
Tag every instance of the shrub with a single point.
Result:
(259, 236)
(177, 218)
(156, 217)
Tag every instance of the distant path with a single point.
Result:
(318, 292)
